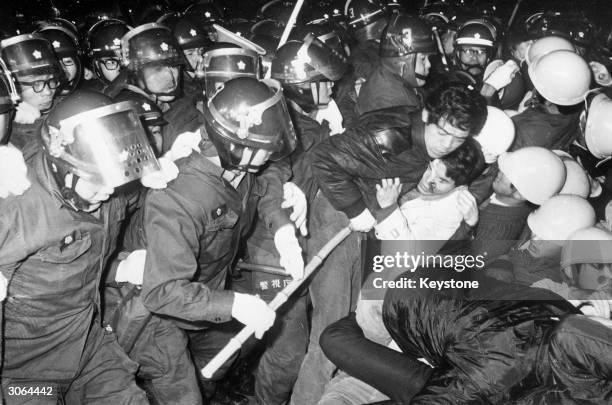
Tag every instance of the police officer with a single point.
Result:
(201, 219)
(35, 68)
(404, 65)
(58, 237)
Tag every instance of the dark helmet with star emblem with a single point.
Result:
(366, 18)
(104, 38)
(150, 43)
(103, 41)
(224, 61)
(405, 35)
(309, 60)
(89, 137)
(64, 42)
(402, 40)
(248, 123)
(148, 111)
(191, 34)
(29, 54)
(475, 33)
(306, 70)
(66, 47)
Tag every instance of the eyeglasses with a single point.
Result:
(39, 85)
(473, 51)
(110, 64)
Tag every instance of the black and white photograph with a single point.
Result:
(306, 202)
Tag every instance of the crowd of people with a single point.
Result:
(168, 167)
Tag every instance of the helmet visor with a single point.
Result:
(329, 62)
(266, 126)
(107, 146)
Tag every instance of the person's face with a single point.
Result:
(194, 56)
(422, 67)
(595, 276)
(443, 138)
(28, 87)
(321, 92)
(161, 79)
(502, 185)
(94, 194)
(70, 68)
(109, 68)
(435, 180)
(519, 52)
(254, 157)
(474, 58)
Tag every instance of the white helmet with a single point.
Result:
(599, 127)
(576, 178)
(561, 77)
(561, 216)
(496, 135)
(546, 45)
(536, 172)
(587, 245)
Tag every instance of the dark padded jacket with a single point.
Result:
(348, 166)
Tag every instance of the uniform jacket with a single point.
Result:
(26, 137)
(193, 229)
(54, 258)
(348, 166)
(481, 342)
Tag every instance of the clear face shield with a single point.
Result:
(263, 127)
(106, 146)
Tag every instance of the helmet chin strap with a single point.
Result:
(68, 189)
(420, 76)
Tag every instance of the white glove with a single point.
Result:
(160, 179)
(253, 312)
(601, 74)
(290, 251)
(294, 197)
(13, 172)
(331, 113)
(363, 222)
(468, 207)
(503, 75)
(131, 269)
(26, 113)
(184, 144)
(3, 287)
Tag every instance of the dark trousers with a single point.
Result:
(106, 376)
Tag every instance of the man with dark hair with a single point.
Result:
(442, 201)
(387, 143)
(348, 166)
